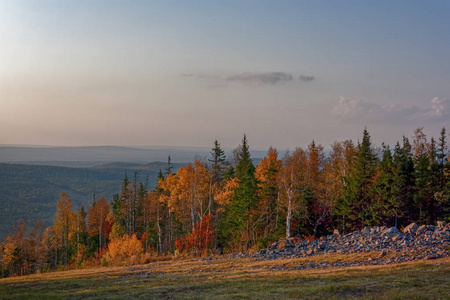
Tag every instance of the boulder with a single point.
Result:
(294, 240)
(441, 223)
(411, 228)
(421, 229)
(390, 231)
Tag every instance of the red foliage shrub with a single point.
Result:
(200, 239)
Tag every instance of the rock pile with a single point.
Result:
(415, 242)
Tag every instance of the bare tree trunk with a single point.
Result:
(289, 217)
(159, 230)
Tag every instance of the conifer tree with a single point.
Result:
(356, 204)
(383, 208)
(169, 166)
(402, 189)
(218, 163)
(442, 194)
(238, 213)
(424, 155)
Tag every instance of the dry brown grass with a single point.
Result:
(240, 278)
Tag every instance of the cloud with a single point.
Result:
(440, 108)
(354, 109)
(203, 76)
(260, 78)
(306, 78)
(252, 78)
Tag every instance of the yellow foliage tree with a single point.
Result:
(9, 247)
(65, 225)
(225, 196)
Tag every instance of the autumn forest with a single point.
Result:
(221, 205)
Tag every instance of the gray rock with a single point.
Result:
(421, 229)
(441, 223)
(411, 228)
(390, 231)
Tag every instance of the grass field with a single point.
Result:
(239, 279)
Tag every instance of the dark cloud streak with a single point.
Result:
(260, 78)
(253, 78)
(306, 78)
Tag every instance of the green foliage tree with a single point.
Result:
(424, 156)
(442, 193)
(238, 213)
(357, 203)
(401, 201)
(383, 207)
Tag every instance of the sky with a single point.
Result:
(185, 73)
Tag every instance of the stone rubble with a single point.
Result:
(415, 242)
(424, 242)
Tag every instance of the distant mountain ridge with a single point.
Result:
(100, 154)
(30, 192)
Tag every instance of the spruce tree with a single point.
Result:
(424, 163)
(219, 163)
(384, 209)
(169, 166)
(442, 193)
(356, 204)
(401, 201)
(239, 212)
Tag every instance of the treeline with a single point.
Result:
(216, 206)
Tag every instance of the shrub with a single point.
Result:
(124, 247)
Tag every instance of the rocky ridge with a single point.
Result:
(415, 242)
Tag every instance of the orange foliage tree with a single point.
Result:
(97, 221)
(267, 211)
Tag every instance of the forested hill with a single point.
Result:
(30, 192)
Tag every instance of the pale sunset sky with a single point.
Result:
(184, 73)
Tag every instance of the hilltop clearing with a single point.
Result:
(228, 278)
(376, 262)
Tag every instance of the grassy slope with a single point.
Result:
(238, 279)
